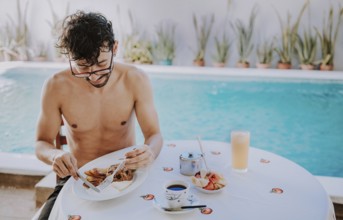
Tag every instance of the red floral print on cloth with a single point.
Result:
(264, 160)
(277, 191)
(168, 169)
(74, 217)
(148, 197)
(206, 211)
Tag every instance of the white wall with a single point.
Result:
(149, 12)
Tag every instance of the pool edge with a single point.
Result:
(22, 164)
(291, 74)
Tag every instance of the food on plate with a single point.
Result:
(97, 175)
(209, 180)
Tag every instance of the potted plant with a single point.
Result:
(41, 53)
(288, 38)
(222, 46)
(265, 54)
(164, 48)
(19, 33)
(306, 48)
(137, 49)
(7, 44)
(244, 35)
(328, 38)
(202, 33)
(56, 28)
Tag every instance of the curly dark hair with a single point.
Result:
(85, 35)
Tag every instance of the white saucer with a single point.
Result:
(192, 200)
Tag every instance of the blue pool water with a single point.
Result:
(302, 121)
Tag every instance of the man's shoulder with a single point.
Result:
(58, 80)
(131, 72)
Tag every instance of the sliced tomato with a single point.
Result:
(210, 186)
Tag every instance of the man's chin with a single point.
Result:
(99, 85)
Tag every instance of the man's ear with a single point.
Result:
(115, 47)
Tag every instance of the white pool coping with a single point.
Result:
(23, 164)
(226, 72)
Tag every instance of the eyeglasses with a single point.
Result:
(79, 74)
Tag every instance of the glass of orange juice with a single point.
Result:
(240, 141)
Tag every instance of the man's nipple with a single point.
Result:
(74, 125)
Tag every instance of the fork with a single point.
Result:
(168, 209)
(108, 180)
(203, 154)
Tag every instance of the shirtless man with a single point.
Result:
(97, 99)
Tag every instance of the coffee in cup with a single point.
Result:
(176, 193)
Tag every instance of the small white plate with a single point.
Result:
(192, 200)
(209, 191)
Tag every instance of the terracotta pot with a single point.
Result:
(326, 67)
(60, 59)
(307, 67)
(243, 65)
(263, 65)
(199, 62)
(284, 66)
(220, 65)
(39, 59)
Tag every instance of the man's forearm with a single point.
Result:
(46, 152)
(155, 142)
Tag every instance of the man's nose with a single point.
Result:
(93, 77)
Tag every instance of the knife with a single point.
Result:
(168, 209)
(182, 208)
(87, 182)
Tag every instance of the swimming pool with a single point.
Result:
(298, 119)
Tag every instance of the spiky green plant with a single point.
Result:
(306, 48)
(328, 36)
(41, 50)
(56, 23)
(164, 48)
(244, 34)
(202, 33)
(222, 46)
(19, 32)
(265, 52)
(7, 43)
(56, 26)
(289, 35)
(137, 50)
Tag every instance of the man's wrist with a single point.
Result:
(55, 153)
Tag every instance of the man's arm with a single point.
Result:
(49, 122)
(146, 115)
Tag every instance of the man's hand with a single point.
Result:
(64, 164)
(139, 157)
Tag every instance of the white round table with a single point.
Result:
(273, 188)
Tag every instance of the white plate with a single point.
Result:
(192, 200)
(111, 191)
(209, 191)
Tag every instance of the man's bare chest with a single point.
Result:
(97, 113)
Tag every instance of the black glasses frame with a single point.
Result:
(88, 74)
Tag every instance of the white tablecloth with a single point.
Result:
(273, 188)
